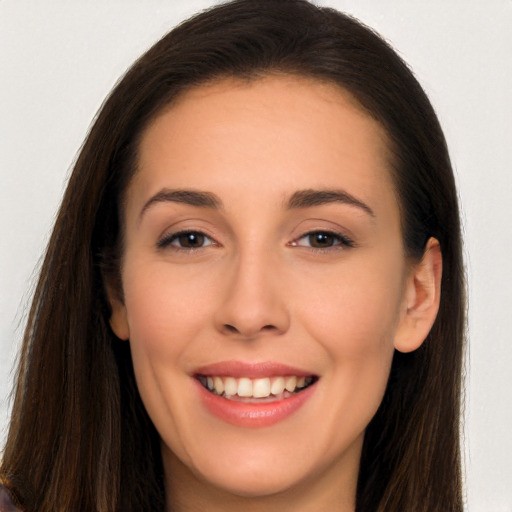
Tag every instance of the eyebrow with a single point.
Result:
(300, 199)
(190, 197)
(308, 198)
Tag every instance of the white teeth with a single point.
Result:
(291, 383)
(261, 388)
(255, 388)
(230, 386)
(244, 387)
(277, 386)
(218, 385)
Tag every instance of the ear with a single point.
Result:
(421, 299)
(118, 318)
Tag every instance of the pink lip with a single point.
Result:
(252, 415)
(252, 370)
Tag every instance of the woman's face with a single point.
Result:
(263, 257)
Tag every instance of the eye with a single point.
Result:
(323, 240)
(186, 240)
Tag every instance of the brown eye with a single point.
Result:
(185, 240)
(190, 240)
(322, 240)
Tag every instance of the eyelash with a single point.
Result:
(168, 240)
(339, 241)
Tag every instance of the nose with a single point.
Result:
(253, 302)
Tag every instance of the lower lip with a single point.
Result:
(253, 415)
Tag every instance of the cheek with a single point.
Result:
(162, 313)
(357, 333)
(354, 317)
(163, 306)
(355, 312)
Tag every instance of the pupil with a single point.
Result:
(321, 240)
(191, 240)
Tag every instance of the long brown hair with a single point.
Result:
(79, 436)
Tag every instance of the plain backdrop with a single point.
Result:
(59, 59)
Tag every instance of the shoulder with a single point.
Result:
(7, 501)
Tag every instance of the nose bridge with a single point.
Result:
(254, 300)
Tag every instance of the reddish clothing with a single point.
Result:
(7, 501)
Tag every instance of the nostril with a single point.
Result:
(231, 329)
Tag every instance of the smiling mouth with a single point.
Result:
(266, 389)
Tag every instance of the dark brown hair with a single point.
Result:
(79, 437)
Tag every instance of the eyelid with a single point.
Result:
(167, 240)
(343, 241)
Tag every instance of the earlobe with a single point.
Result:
(118, 319)
(421, 299)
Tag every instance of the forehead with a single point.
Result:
(285, 129)
(299, 100)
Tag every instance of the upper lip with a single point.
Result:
(251, 370)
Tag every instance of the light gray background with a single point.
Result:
(58, 60)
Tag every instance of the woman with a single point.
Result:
(253, 294)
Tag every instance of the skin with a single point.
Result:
(256, 289)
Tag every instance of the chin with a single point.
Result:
(250, 483)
